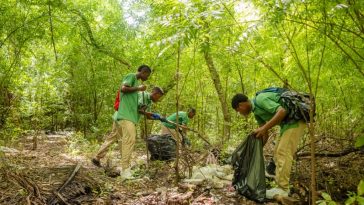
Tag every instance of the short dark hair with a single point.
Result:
(144, 67)
(238, 98)
(158, 90)
(193, 110)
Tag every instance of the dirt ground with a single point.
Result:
(37, 177)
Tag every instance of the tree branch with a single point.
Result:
(93, 41)
(51, 27)
(328, 154)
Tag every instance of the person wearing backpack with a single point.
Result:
(126, 118)
(268, 112)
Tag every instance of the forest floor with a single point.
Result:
(38, 176)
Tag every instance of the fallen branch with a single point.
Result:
(60, 197)
(192, 130)
(30, 186)
(70, 178)
(338, 154)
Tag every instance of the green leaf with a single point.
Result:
(360, 200)
(326, 196)
(361, 188)
(350, 200)
(359, 141)
(321, 202)
(332, 203)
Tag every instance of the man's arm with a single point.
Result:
(152, 116)
(183, 123)
(276, 119)
(266, 136)
(128, 89)
(147, 114)
(184, 128)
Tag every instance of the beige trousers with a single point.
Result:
(124, 132)
(171, 131)
(286, 147)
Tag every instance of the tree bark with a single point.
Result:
(216, 79)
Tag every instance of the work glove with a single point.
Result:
(156, 116)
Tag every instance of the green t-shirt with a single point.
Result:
(265, 106)
(144, 101)
(182, 119)
(128, 108)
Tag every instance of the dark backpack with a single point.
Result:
(273, 90)
(297, 104)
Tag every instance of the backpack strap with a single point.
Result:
(273, 90)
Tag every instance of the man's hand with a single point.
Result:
(128, 89)
(261, 132)
(183, 127)
(142, 109)
(276, 119)
(142, 87)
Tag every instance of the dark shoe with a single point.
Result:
(270, 169)
(96, 162)
(112, 173)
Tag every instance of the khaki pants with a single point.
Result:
(124, 132)
(286, 147)
(165, 130)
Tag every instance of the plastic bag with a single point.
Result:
(248, 164)
(161, 147)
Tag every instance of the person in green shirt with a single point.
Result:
(183, 119)
(127, 116)
(268, 112)
(145, 100)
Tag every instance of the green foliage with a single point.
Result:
(359, 141)
(63, 61)
(361, 188)
(356, 198)
(326, 200)
(79, 145)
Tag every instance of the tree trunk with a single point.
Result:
(176, 167)
(216, 79)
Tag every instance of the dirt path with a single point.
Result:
(35, 177)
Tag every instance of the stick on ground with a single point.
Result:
(70, 178)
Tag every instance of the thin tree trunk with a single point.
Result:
(51, 27)
(177, 117)
(216, 79)
(145, 134)
(240, 72)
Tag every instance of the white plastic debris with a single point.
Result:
(8, 150)
(217, 176)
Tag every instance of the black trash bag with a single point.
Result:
(248, 164)
(161, 147)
